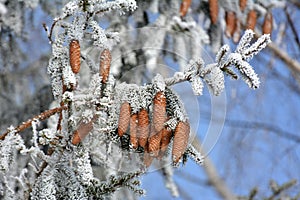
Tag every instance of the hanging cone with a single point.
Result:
(166, 135)
(154, 141)
(124, 118)
(83, 130)
(268, 23)
(237, 31)
(143, 127)
(181, 137)
(213, 11)
(243, 4)
(230, 23)
(184, 7)
(105, 60)
(159, 111)
(251, 19)
(133, 130)
(74, 53)
(147, 159)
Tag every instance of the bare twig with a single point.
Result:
(292, 24)
(213, 175)
(252, 194)
(292, 64)
(278, 190)
(282, 55)
(44, 115)
(296, 3)
(50, 32)
(261, 125)
(47, 31)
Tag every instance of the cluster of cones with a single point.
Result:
(150, 133)
(145, 131)
(233, 23)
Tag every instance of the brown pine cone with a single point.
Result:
(159, 111)
(143, 127)
(154, 141)
(133, 130)
(237, 31)
(251, 19)
(268, 24)
(230, 23)
(105, 60)
(82, 131)
(213, 11)
(74, 53)
(184, 7)
(181, 138)
(166, 135)
(243, 4)
(147, 159)
(124, 118)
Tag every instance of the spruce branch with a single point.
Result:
(194, 154)
(211, 73)
(98, 108)
(98, 189)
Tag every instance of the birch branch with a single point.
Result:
(292, 64)
(213, 175)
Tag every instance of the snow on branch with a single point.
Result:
(213, 74)
(104, 116)
(98, 189)
(194, 154)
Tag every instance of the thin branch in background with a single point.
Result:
(282, 55)
(293, 86)
(50, 32)
(214, 179)
(47, 31)
(292, 24)
(296, 3)
(291, 63)
(278, 76)
(264, 126)
(184, 193)
(191, 178)
(256, 126)
(277, 190)
(253, 193)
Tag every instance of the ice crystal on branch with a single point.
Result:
(99, 189)
(239, 59)
(45, 187)
(8, 151)
(195, 155)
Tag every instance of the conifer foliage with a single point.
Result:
(95, 121)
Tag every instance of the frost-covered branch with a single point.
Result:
(212, 73)
(109, 124)
(97, 189)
